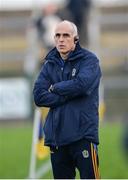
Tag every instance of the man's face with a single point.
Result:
(64, 39)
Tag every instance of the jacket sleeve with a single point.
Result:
(42, 97)
(83, 84)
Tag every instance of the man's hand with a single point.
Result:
(51, 88)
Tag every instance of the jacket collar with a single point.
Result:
(54, 55)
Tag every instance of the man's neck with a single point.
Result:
(64, 56)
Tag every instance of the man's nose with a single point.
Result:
(61, 38)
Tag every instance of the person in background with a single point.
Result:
(68, 84)
(78, 12)
(46, 23)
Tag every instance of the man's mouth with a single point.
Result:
(61, 46)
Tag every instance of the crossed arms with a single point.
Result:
(61, 92)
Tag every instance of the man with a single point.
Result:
(68, 84)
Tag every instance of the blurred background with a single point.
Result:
(26, 35)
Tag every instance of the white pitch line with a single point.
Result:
(43, 169)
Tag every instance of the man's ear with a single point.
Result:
(76, 39)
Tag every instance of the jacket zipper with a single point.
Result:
(62, 70)
(55, 134)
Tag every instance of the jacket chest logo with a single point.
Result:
(73, 72)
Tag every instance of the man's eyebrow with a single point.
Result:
(64, 34)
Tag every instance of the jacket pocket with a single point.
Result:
(85, 122)
(48, 129)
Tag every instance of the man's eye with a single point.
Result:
(66, 35)
(57, 35)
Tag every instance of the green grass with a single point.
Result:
(112, 160)
(15, 146)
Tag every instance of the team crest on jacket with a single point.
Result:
(85, 153)
(73, 72)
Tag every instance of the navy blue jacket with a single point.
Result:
(74, 100)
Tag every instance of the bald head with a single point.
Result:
(70, 25)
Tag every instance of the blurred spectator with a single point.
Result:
(46, 23)
(77, 11)
(40, 36)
